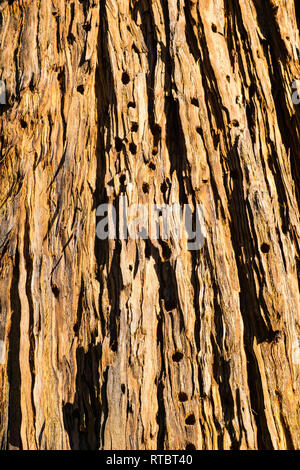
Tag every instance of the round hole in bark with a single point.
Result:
(145, 188)
(130, 267)
(195, 102)
(154, 151)
(87, 27)
(131, 104)
(132, 148)
(23, 124)
(123, 388)
(118, 144)
(190, 446)
(265, 248)
(80, 89)
(125, 78)
(214, 28)
(235, 123)
(76, 328)
(135, 127)
(182, 397)
(177, 356)
(228, 78)
(190, 420)
(152, 166)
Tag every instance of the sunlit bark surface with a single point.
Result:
(144, 344)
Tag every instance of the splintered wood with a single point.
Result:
(143, 343)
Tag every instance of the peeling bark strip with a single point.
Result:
(142, 344)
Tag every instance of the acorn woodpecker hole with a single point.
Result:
(125, 78)
(265, 248)
(177, 356)
(182, 397)
(145, 188)
(190, 420)
(152, 166)
(190, 446)
(134, 127)
(132, 148)
(118, 144)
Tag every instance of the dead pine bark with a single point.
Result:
(144, 343)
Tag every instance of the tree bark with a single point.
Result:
(145, 344)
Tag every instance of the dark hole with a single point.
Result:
(200, 131)
(122, 179)
(71, 38)
(125, 78)
(23, 124)
(132, 148)
(31, 85)
(190, 419)
(80, 89)
(123, 388)
(135, 127)
(182, 397)
(145, 188)
(177, 356)
(190, 446)
(235, 123)
(55, 291)
(154, 151)
(164, 187)
(228, 78)
(152, 166)
(265, 248)
(76, 328)
(87, 27)
(118, 144)
(130, 267)
(214, 28)
(131, 104)
(156, 130)
(195, 102)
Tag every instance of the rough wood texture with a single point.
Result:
(143, 344)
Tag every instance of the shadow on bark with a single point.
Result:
(82, 418)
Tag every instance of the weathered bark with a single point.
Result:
(143, 344)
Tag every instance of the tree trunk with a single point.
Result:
(145, 343)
